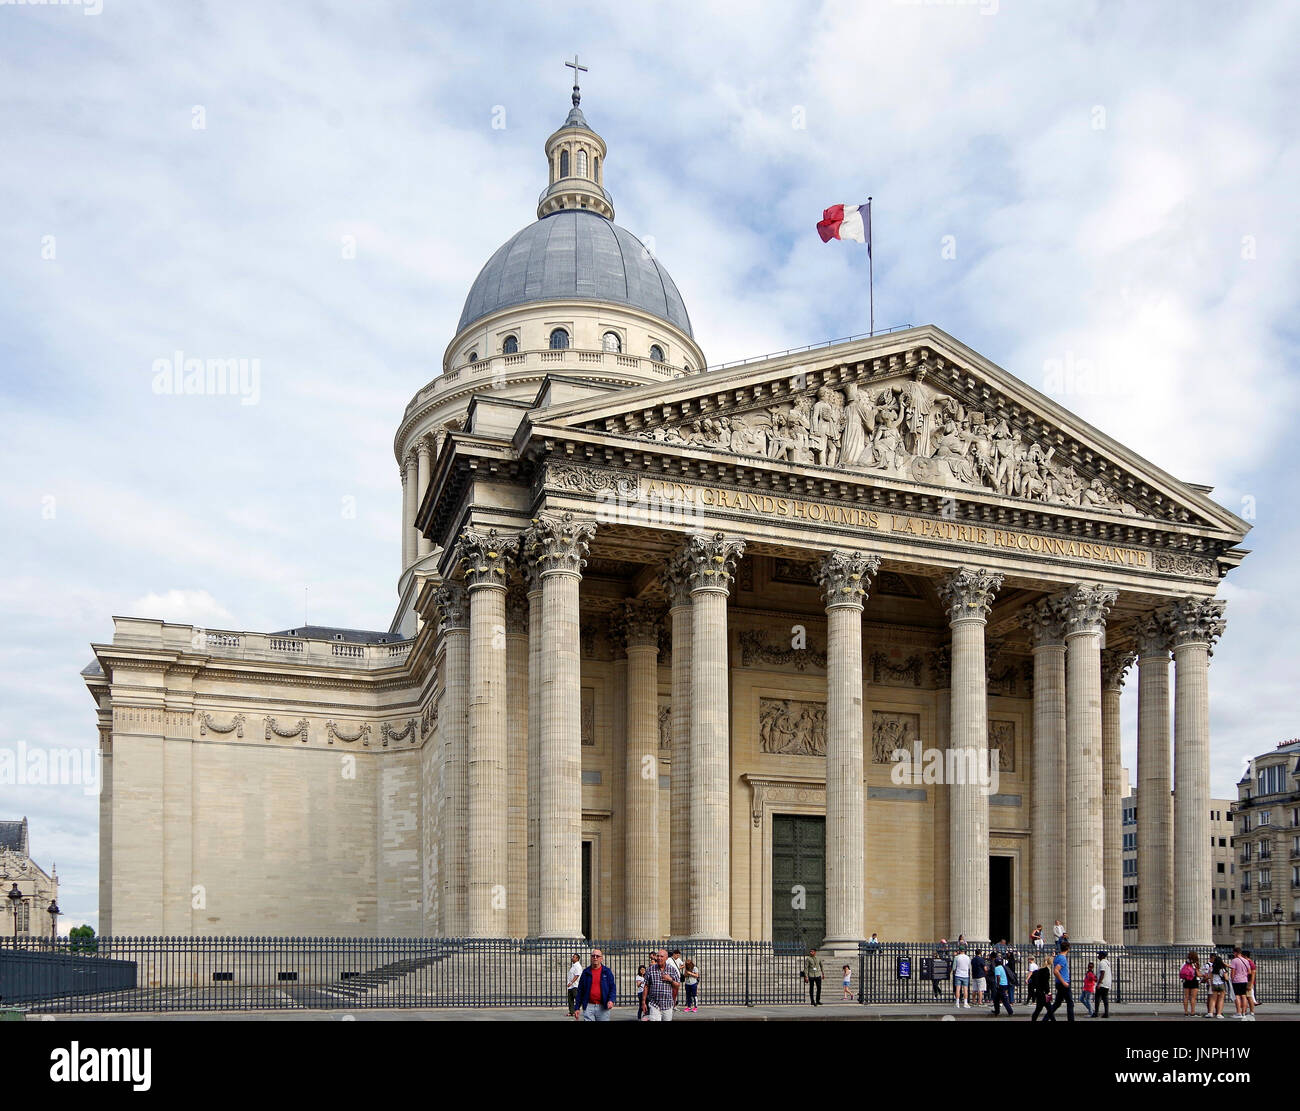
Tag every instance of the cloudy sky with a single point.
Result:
(1107, 188)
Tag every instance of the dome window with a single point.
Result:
(656, 353)
(595, 168)
(610, 342)
(564, 163)
(511, 345)
(559, 339)
(582, 163)
(473, 356)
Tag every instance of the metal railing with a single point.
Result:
(149, 974)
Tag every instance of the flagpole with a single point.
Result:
(871, 270)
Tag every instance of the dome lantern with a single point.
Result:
(575, 158)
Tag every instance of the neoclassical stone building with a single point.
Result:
(715, 652)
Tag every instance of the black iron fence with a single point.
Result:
(118, 974)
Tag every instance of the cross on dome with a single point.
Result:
(573, 65)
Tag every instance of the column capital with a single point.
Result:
(558, 542)
(452, 602)
(423, 447)
(1085, 606)
(712, 561)
(845, 577)
(1115, 663)
(516, 609)
(1196, 621)
(968, 592)
(676, 579)
(641, 625)
(1045, 621)
(1153, 635)
(485, 557)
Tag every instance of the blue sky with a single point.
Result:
(1116, 182)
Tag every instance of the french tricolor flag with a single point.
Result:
(846, 221)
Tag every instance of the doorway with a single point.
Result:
(586, 889)
(1000, 898)
(798, 882)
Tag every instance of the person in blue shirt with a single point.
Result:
(1061, 982)
(1001, 984)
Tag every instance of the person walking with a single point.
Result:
(1239, 970)
(847, 995)
(1104, 978)
(1250, 995)
(1040, 987)
(596, 989)
(1061, 981)
(961, 979)
(691, 978)
(660, 990)
(575, 972)
(940, 954)
(978, 973)
(1000, 996)
(1089, 986)
(1037, 936)
(640, 984)
(1190, 975)
(1013, 979)
(812, 973)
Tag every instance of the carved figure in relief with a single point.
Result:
(859, 426)
(825, 430)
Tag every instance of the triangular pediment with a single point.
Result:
(914, 408)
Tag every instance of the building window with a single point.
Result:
(1266, 817)
(1245, 882)
(1265, 908)
(656, 353)
(1221, 869)
(559, 339)
(1130, 841)
(582, 163)
(595, 167)
(1223, 842)
(473, 356)
(22, 918)
(1130, 867)
(610, 342)
(564, 163)
(511, 345)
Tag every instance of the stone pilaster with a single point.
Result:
(845, 578)
(967, 594)
(641, 786)
(1046, 624)
(423, 451)
(677, 585)
(533, 587)
(712, 564)
(1086, 607)
(453, 735)
(1196, 624)
(1115, 663)
(1155, 811)
(558, 543)
(518, 697)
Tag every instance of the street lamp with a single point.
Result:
(53, 908)
(15, 898)
(1277, 918)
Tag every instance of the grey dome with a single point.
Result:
(573, 254)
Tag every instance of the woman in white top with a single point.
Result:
(575, 974)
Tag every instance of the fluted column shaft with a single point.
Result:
(677, 583)
(423, 545)
(641, 785)
(968, 595)
(488, 804)
(1197, 623)
(1047, 804)
(1085, 891)
(844, 578)
(534, 748)
(1155, 811)
(453, 734)
(1114, 663)
(518, 698)
(712, 565)
(409, 484)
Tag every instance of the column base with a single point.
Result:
(841, 947)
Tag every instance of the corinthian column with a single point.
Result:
(1085, 892)
(409, 482)
(1115, 662)
(968, 595)
(844, 578)
(484, 560)
(423, 545)
(558, 545)
(533, 585)
(1155, 810)
(677, 584)
(1045, 621)
(641, 806)
(518, 699)
(712, 564)
(1196, 624)
(453, 734)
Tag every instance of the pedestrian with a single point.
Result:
(1104, 978)
(660, 990)
(691, 978)
(1040, 989)
(676, 958)
(1037, 936)
(1089, 987)
(1059, 931)
(575, 971)
(873, 943)
(1013, 980)
(978, 981)
(596, 990)
(1000, 996)
(812, 974)
(1190, 975)
(1218, 986)
(1250, 995)
(847, 996)
(1239, 968)
(961, 979)
(1061, 981)
(640, 983)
